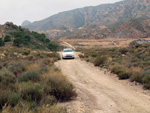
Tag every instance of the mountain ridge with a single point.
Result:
(94, 15)
(128, 29)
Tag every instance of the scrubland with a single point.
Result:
(29, 82)
(131, 63)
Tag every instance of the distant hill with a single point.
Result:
(127, 29)
(106, 14)
(13, 35)
(25, 23)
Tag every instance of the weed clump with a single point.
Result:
(31, 92)
(100, 61)
(29, 76)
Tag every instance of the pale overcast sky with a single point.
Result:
(17, 11)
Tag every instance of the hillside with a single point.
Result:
(105, 14)
(127, 29)
(12, 35)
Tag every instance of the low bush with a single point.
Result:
(81, 56)
(54, 55)
(100, 60)
(49, 100)
(147, 86)
(7, 38)
(59, 86)
(29, 76)
(44, 70)
(6, 78)
(17, 68)
(62, 91)
(13, 99)
(123, 50)
(31, 92)
(147, 68)
(147, 58)
(8, 97)
(137, 77)
(146, 79)
(3, 97)
(116, 69)
(123, 75)
(145, 73)
(94, 55)
(26, 53)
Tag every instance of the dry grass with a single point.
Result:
(24, 109)
(31, 67)
(28, 84)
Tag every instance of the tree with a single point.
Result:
(27, 37)
(1, 42)
(17, 41)
(46, 41)
(52, 46)
(18, 34)
(7, 38)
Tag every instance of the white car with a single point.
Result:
(68, 53)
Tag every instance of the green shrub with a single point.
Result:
(31, 92)
(8, 97)
(137, 77)
(13, 99)
(123, 75)
(17, 68)
(26, 53)
(3, 98)
(116, 69)
(145, 73)
(29, 76)
(52, 46)
(147, 86)
(6, 78)
(147, 58)
(54, 55)
(94, 55)
(59, 87)
(7, 38)
(17, 41)
(146, 79)
(100, 60)
(49, 100)
(62, 91)
(44, 70)
(1, 42)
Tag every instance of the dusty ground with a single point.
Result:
(101, 43)
(101, 92)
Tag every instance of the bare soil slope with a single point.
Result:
(101, 92)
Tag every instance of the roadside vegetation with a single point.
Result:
(29, 82)
(17, 36)
(128, 63)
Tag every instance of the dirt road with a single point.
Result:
(101, 92)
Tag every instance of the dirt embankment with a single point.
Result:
(101, 92)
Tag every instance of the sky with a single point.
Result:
(17, 11)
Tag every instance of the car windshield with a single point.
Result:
(67, 50)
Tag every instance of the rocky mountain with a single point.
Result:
(106, 14)
(128, 29)
(25, 23)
